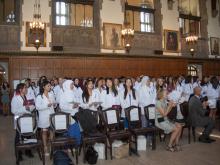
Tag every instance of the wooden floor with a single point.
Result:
(194, 153)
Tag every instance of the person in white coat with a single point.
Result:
(147, 96)
(99, 87)
(31, 93)
(188, 88)
(110, 96)
(69, 103)
(78, 90)
(20, 106)
(58, 89)
(90, 98)
(128, 97)
(213, 94)
(45, 104)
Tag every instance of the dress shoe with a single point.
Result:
(204, 140)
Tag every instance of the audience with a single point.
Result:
(166, 93)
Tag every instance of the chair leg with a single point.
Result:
(84, 153)
(110, 144)
(17, 156)
(182, 132)
(51, 152)
(106, 146)
(194, 134)
(136, 147)
(76, 153)
(189, 135)
(154, 141)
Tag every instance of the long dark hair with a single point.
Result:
(97, 82)
(85, 94)
(214, 82)
(41, 79)
(19, 87)
(42, 85)
(114, 90)
(126, 89)
(5, 86)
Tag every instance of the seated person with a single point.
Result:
(197, 118)
(162, 122)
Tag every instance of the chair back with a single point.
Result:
(133, 115)
(26, 125)
(60, 122)
(111, 118)
(184, 108)
(150, 113)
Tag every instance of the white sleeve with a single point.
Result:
(40, 104)
(122, 101)
(17, 108)
(65, 105)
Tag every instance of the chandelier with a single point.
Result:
(192, 38)
(37, 24)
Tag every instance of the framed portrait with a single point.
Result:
(171, 40)
(31, 36)
(112, 36)
(215, 45)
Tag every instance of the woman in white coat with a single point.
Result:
(110, 96)
(213, 94)
(128, 98)
(188, 88)
(68, 100)
(45, 104)
(19, 107)
(90, 98)
(99, 87)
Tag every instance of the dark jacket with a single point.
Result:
(197, 113)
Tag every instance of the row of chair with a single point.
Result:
(110, 129)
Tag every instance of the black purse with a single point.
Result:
(172, 114)
(91, 155)
(160, 120)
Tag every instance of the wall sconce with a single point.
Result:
(192, 52)
(37, 44)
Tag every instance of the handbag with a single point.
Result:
(91, 155)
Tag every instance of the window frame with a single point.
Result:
(82, 2)
(17, 11)
(190, 18)
(140, 9)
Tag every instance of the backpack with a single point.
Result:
(61, 158)
(74, 132)
(87, 121)
(91, 155)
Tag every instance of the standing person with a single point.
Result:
(188, 88)
(162, 122)
(110, 96)
(58, 89)
(31, 93)
(5, 90)
(78, 89)
(68, 100)
(90, 98)
(146, 95)
(99, 87)
(213, 94)
(18, 108)
(45, 104)
(128, 97)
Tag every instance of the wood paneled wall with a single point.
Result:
(83, 66)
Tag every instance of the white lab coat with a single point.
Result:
(187, 91)
(57, 92)
(18, 108)
(147, 96)
(31, 94)
(128, 101)
(108, 100)
(44, 111)
(78, 93)
(93, 98)
(213, 95)
(68, 98)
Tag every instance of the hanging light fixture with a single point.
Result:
(127, 33)
(191, 37)
(37, 24)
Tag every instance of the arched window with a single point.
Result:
(192, 70)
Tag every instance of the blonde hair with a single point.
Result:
(160, 94)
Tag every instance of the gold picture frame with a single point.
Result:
(32, 35)
(112, 36)
(215, 46)
(171, 40)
